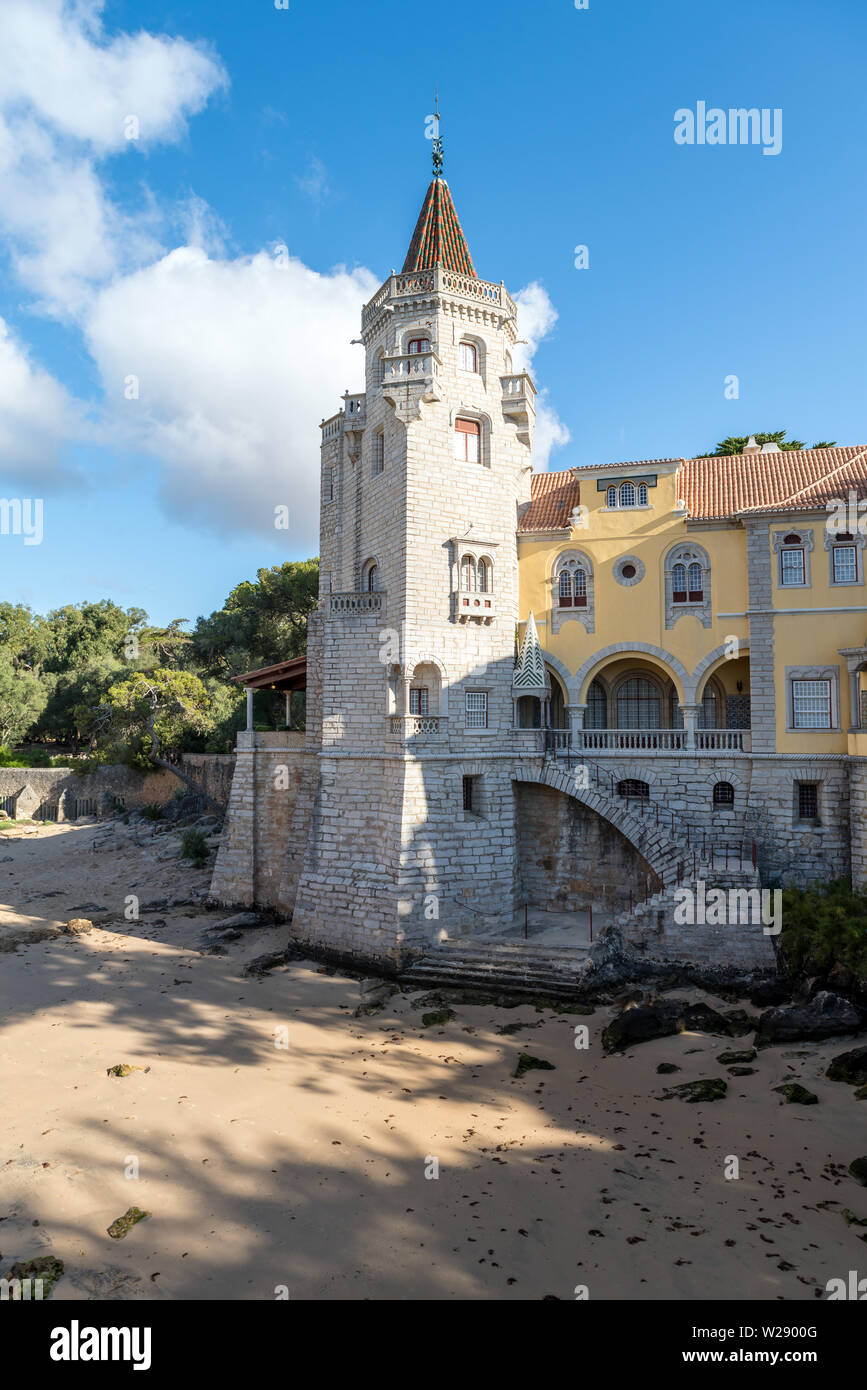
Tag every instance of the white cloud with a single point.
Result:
(236, 363)
(37, 417)
(536, 319)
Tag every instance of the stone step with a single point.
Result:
(502, 967)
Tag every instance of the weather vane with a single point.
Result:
(437, 144)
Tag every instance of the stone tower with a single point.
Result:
(411, 655)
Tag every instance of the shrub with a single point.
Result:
(151, 811)
(823, 927)
(194, 846)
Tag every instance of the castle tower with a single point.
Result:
(413, 648)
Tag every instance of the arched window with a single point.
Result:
(565, 589)
(634, 790)
(639, 704)
(508, 364)
(723, 794)
(642, 494)
(709, 713)
(627, 494)
(468, 357)
(468, 573)
(597, 707)
(696, 584)
(529, 712)
(579, 583)
(370, 578)
(678, 583)
(484, 573)
(418, 345)
(612, 497)
(468, 439)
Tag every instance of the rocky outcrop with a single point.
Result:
(825, 1016)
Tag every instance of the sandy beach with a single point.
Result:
(267, 1167)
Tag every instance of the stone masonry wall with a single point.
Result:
(63, 788)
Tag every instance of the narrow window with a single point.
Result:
(477, 709)
(678, 583)
(811, 704)
(696, 584)
(329, 486)
(792, 569)
(565, 589)
(417, 346)
(467, 441)
(468, 574)
(844, 560)
(723, 794)
(642, 494)
(579, 581)
(808, 801)
(418, 699)
(612, 497)
(468, 790)
(468, 357)
(597, 707)
(378, 452)
(627, 494)
(484, 577)
(372, 581)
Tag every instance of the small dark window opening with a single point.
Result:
(808, 801)
(637, 791)
(723, 794)
(468, 793)
(628, 572)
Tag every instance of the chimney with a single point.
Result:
(751, 447)
(770, 448)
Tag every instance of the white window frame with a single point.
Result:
(468, 356)
(476, 709)
(821, 692)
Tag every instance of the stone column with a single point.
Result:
(690, 723)
(249, 709)
(854, 700)
(763, 717)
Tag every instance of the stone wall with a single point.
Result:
(110, 786)
(569, 857)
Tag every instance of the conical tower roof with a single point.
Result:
(439, 238)
(530, 673)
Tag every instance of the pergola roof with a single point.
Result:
(286, 675)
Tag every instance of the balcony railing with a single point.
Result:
(418, 727)
(407, 368)
(659, 740)
(472, 603)
(437, 281)
(348, 605)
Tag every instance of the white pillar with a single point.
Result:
(249, 708)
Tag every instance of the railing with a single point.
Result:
(474, 603)
(629, 740)
(518, 385)
(418, 725)
(331, 427)
(434, 281)
(353, 411)
(720, 740)
(339, 605)
(409, 365)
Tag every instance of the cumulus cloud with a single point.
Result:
(37, 417)
(234, 363)
(536, 319)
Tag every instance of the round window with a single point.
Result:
(628, 571)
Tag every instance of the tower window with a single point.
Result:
(418, 345)
(477, 709)
(468, 357)
(419, 699)
(468, 439)
(378, 452)
(371, 579)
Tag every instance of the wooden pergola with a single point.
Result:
(287, 676)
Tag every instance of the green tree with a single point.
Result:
(21, 700)
(146, 719)
(734, 444)
(80, 634)
(261, 622)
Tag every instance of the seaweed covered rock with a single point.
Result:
(850, 1067)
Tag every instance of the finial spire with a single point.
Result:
(437, 144)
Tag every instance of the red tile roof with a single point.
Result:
(553, 497)
(439, 238)
(725, 487)
(793, 478)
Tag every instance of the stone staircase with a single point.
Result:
(502, 967)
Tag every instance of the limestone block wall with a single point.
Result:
(858, 814)
(569, 857)
(655, 932)
(269, 775)
(61, 787)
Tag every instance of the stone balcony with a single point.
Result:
(697, 742)
(355, 605)
(519, 397)
(417, 728)
(412, 369)
(471, 604)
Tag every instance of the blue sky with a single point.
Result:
(305, 127)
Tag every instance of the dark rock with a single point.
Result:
(262, 965)
(729, 1058)
(850, 1067)
(852, 1220)
(667, 1016)
(768, 993)
(739, 1022)
(861, 1093)
(665, 1068)
(526, 1062)
(430, 1020)
(858, 1169)
(825, 1016)
(695, 1091)
(796, 1094)
(742, 1071)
